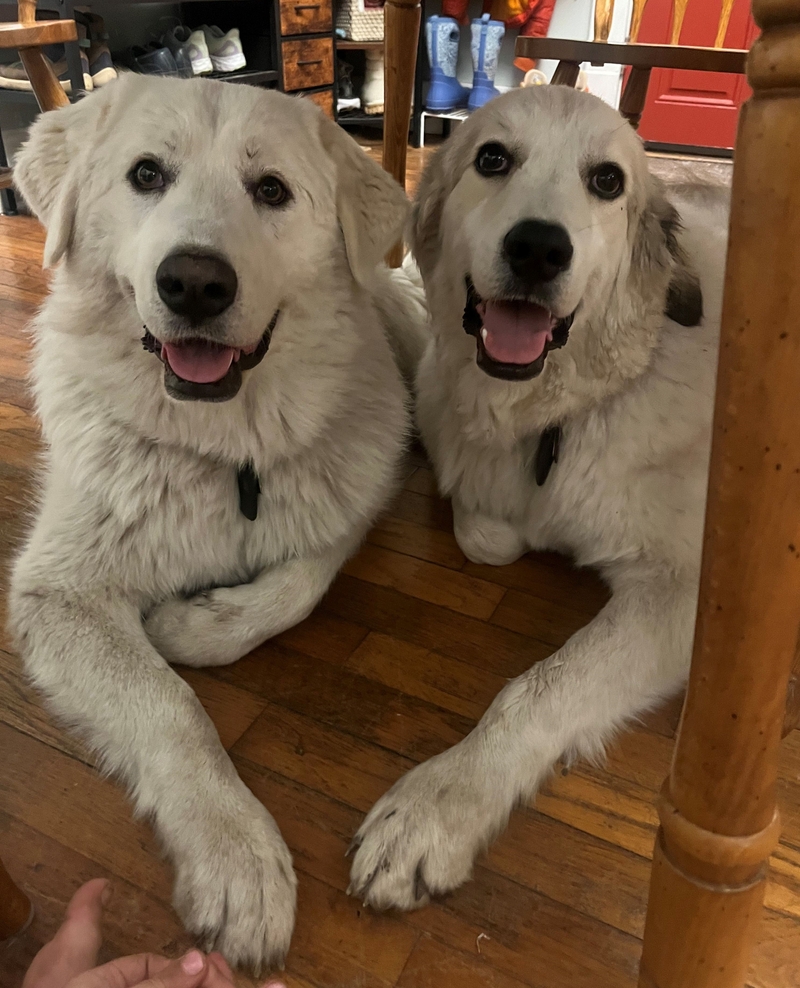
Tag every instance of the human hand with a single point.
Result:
(70, 959)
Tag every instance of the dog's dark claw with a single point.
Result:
(363, 891)
(355, 843)
(421, 889)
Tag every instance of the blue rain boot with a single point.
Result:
(486, 38)
(445, 92)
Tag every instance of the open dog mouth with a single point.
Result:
(514, 336)
(202, 370)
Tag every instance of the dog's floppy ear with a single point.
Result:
(684, 295)
(425, 224)
(371, 206)
(47, 170)
(658, 246)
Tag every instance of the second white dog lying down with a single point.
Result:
(566, 403)
(237, 233)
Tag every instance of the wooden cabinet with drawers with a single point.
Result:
(307, 50)
(306, 18)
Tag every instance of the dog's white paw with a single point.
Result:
(421, 838)
(487, 540)
(204, 630)
(235, 887)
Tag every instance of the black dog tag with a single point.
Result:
(249, 489)
(546, 453)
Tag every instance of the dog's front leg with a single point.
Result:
(219, 626)
(87, 651)
(421, 837)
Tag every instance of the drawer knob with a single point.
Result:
(313, 61)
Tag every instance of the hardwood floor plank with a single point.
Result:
(427, 626)
(429, 512)
(536, 618)
(419, 672)
(347, 702)
(324, 636)
(548, 577)
(330, 762)
(433, 964)
(408, 537)
(425, 581)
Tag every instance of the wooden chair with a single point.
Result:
(28, 36)
(719, 820)
(642, 58)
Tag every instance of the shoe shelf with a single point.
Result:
(251, 77)
(289, 44)
(360, 119)
(345, 44)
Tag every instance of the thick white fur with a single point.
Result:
(140, 555)
(633, 392)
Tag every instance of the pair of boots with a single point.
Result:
(446, 92)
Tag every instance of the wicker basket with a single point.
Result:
(359, 23)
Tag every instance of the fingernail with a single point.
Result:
(193, 962)
(107, 893)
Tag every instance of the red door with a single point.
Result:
(698, 108)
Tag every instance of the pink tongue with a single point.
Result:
(202, 363)
(516, 332)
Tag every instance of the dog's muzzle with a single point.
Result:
(201, 370)
(514, 336)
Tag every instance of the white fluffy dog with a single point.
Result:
(236, 233)
(566, 402)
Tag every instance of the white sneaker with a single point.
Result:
(192, 45)
(225, 49)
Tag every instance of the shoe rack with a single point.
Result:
(288, 44)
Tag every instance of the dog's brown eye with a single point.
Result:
(272, 191)
(147, 175)
(607, 181)
(493, 159)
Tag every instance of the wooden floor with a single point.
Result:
(406, 651)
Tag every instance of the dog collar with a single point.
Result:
(249, 489)
(546, 454)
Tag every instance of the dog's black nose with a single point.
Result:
(196, 285)
(536, 251)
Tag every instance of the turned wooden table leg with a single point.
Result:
(566, 74)
(719, 821)
(15, 910)
(634, 96)
(401, 34)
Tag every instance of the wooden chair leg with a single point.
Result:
(15, 909)
(719, 821)
(634, 96)
(603, 14)
(401, 33)
(46, 86)
(566, 74)
(678, 14)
